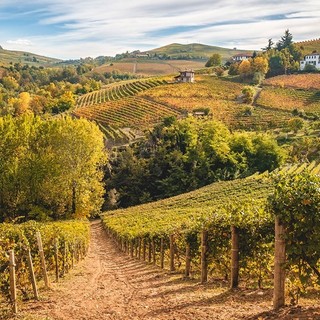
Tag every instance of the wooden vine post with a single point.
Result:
(279, 265)
(32, 275)
(43, 261)
(139, 248)
(144, 249)
(188, 260)
(172, 266)
(149, 251)
(13, 289)
(161, 253)
(131, 248)
(154, 260)
(204, 262)
(56, 258)
(136, 244)
(234, 257)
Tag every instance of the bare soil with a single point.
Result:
(110, 285)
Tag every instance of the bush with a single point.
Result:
(248, 94)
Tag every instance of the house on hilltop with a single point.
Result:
(185, 76)
(241, 56)
(310, 59)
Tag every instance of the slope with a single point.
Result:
(194, 51)
(309, 46)
(8, 57)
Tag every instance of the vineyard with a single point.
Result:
(285, 99)
(220, 97)
(150, 67)
(64, 244)
(123, 108)
(175, 229)
(117, 91)
(298, 81)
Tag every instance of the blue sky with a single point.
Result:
(81, 28)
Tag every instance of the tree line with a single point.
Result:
(182, 155)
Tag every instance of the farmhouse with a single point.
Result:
(310, 59)
(185, 76)
(241, 57)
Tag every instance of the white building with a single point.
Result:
(312, 58)
(241, 57)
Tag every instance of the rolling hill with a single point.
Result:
(194, 51)
(8, 57)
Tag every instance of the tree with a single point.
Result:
(269, 45)
(10, 83)
(214, 60)
(183, 155)
(248, 94)
(54, 165)
(260, 64)
(23, 103)
(296, 202)
(285, 41)
(245, 69)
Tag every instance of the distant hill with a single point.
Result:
(309, 46)
(9, 56)
(195, 51)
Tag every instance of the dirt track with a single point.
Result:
(110, 285)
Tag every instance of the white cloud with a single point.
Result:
(20, 42)
(106, 27)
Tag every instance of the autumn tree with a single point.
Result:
(244, 69)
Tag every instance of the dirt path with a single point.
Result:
(110, 285)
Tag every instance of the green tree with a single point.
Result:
(285, 41)
(296, 201)
(248, 93)
(54, 165)
(214, 60)
(269, 45)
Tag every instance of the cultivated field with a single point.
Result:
(150, 67)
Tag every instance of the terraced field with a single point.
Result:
(128, 112)
(117, 91)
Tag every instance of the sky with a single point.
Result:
(70, 29)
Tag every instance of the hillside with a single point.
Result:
(148, 67)
(194, 51)
(293, 92)
(186, 211)
(309, 46)
(139, 104)
(8, 57)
